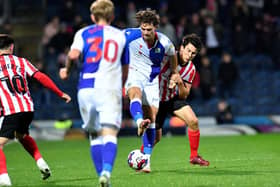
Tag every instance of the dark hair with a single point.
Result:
(147, 16)
(6, 41)
(193, 39)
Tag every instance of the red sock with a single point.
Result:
(3, 165)
(194, 141)
(30, 146)
(142, 148)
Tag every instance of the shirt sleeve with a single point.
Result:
(170, 49)
(29, 68)
(78, 42)
(47, 82)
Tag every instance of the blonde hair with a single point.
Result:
(102, 9)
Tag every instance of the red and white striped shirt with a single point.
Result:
(14, 92)
(187, 73)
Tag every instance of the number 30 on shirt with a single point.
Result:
(110, 50)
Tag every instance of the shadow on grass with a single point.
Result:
(65, 183)
(209, 171)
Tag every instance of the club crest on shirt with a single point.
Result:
(157, 50)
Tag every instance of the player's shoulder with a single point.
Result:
(18, 58)
(132, 34)
(112, 29)
(83, 30)
(192, 65)
(163, 39)
(131, 31)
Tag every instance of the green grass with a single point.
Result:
(235, 161)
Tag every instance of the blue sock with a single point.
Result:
(96, 154)
(136, 109)
(109, 153)
(148, 139)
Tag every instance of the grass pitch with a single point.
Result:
(234, 161)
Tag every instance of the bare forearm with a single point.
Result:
(124, 74)
(173, 64)
(183, 90)
(69, 64)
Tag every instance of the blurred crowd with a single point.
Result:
(230, 29)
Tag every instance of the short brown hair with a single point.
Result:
(102, 9)
(147, 16)
(6, 41)
(193, 39)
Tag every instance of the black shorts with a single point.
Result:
(167, 108)
(18, 122)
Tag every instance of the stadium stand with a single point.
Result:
(257, 89)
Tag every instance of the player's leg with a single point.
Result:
(135, 95)
(109, 110)
(150, 107)
(4, 177)
(31, 147)
(134, 87)
(163, 111)
(8, 125)
(186, 113)
(89, 115)
(96, 146)
(148, 137)
(109, 152)
(158, 136)
(29, 144)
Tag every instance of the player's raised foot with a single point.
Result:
(198, 160)
(144, 124)
(5, 180)
(146, 169)
(44, 168)
(104, 181)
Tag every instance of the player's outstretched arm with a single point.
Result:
(48, 83)
(66, 97)
(72, 56)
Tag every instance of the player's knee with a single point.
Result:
(193, 124)
(134, 92)
(3, 141)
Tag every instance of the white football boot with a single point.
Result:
(44, 168)
(104, 181)
(5, 180)
(147, 168)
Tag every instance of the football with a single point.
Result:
(137, 160)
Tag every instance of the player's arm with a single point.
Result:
(173, 63)
(125, 63)
(173, 67)
(72, 57)
(124, 73)
(184, 88)
(48, 83)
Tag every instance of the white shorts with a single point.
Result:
(150, 90)
(99, 107)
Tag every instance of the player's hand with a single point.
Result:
(66, 97)
(63, 73)
(172, 84)
(173, 80)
